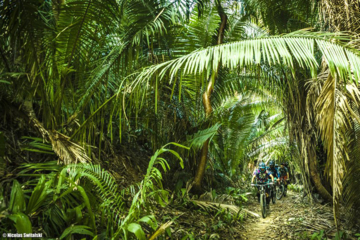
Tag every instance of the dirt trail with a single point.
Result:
(288, 218)
(268, 228)
(292, 217)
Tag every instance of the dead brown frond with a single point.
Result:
(216, 206)
(330, 100)
(160, 230)
(67, 151)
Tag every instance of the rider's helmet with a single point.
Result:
(262, 167)
(283, 163)
(276, 165)
(271, 164)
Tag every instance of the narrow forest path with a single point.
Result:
(292, 217)
(288, 218)
(268, 228)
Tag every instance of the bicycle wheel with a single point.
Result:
(263, 205)
(273, 195)
(279, 192)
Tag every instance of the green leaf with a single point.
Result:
(149, 220)
(168, 232)
(177, 144)
(38, 195)
(79, 229)
(137, 230)
(37, 146)
(22, 222)
(17, 201)
(183, 191)
(6, 82)
(88, 206)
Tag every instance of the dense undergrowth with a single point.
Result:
(84, 199)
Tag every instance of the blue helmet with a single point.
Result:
(262, 167)
(271, 164)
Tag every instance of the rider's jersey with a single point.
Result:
(273, 171)
(261, 177)
(283, 172)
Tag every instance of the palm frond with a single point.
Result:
(275, 143)
(350, 184)
(197, 140)
(283, 50)
(37, 145)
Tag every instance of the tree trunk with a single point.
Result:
(305, 138)
(207, 107)
(315, 176)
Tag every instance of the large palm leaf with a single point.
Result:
(286, 50)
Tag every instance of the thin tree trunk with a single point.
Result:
(207, 107)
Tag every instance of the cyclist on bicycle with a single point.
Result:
(273, 170)
(262, 177)
(283, 174)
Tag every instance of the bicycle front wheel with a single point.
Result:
(273, 195)
(279, 192)
(263, 205)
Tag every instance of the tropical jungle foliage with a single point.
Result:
(111, 110)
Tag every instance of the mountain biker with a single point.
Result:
(273, 170)
(262, 177)
(283, 174)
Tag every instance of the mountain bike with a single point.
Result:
(281, 190)
(262, 189)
